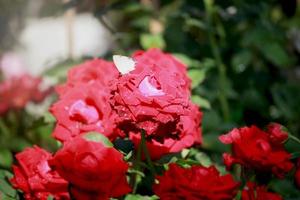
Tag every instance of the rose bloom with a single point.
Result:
(95, 171)
(190, 134)
(254, 192)
(195, 183)
(83, 104)
(258, 149)
(16, 92)
(35, 178)
(96, 70)
(165, 60)
(82, 109)
(155, 97)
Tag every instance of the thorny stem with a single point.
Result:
(220, 64)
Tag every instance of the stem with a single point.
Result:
(221, 66)
(136, 166)
(146, 152)
(294, 138)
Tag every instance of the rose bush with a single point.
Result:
(117, 126)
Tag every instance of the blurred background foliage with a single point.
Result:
(242, 56)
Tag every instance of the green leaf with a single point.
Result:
(197, 76)
(50, 198)
(97, 137)
(211, 142)
(5, 186)
(6, 158)
(241, 60)
(276, 54)
(295, 155)
(285, 187)
(184, 153)
(203, 103)
(204, 159)
(189, 62)
(152, 41)
(140, 197)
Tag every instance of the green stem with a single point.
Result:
(218, 59)
(137, 167)
(294, 138)
(146, 152)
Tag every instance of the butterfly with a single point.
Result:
(124, 64)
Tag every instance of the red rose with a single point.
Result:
(91, 71)
(82, 109)
(257, 149)
(35, 178)
(190, 134)
(195, 183)
(16, 92)
(92, 169)
(254, 192)
(156, 98)
(165, 60)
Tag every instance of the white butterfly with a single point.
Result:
(124, 64)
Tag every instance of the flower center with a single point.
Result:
(150, 87)
(80, 111)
